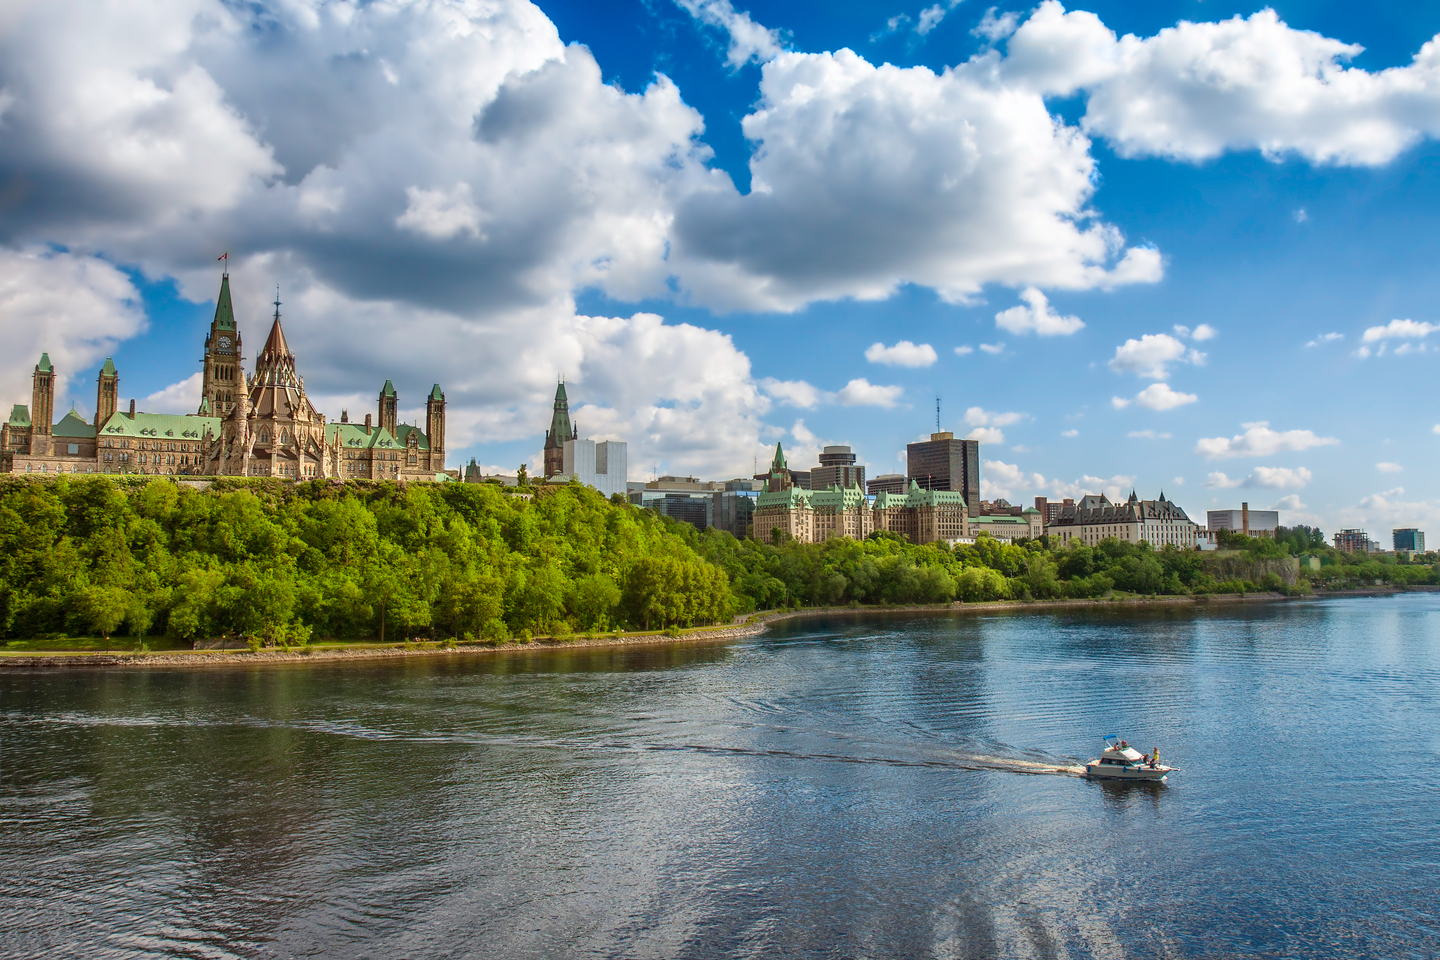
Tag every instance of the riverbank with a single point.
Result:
(749, 626)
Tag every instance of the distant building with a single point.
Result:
(1250, 523)
(1355, 541)
(1408, 538)
(837, 469)
(887, 483)
(813, 516)
(1050, 509)
(600, 465)
(780, 476)
(944, 463)
(725, 505)
(922, 516)
(1005, 526)
(560, 431)
(1095, 518)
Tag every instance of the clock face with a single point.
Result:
(225, 344)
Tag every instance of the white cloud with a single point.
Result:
(986, 435)
(1070, 433)
(1301, 215)
(748, 39)
(995, 29)
(964, 351)
(903, 354)
(1201, 333)
(1116, 487)
(931, 16)
(1157, 396)
(1147, 435)
(73, 307)
(867, 177)
(1151, 355)
(979, 417)
(1006, 481)
(993, 348)
(1038, 317)
(1386, 467)
(182, 397)
(1273, 478)
(1259, 440)
(1396, 329)
(862, 393)
(1178, 481)
(797, 393)
(1197, 90)
(1325, 338)
(441, 215)
(1289, 503)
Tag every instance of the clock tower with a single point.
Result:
(223, 381)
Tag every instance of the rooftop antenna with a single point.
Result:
(937, 413)
(277, 301)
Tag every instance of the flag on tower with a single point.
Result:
(224, 256)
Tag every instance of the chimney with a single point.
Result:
(344, 415)
(1244, 518)
(367, 424)
(132, 408)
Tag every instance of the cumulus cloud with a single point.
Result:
(865, 177)
(440, 214)
(993, 28)
(182, 397)
(1037, 317)
(748, 39)
(1197, 90)
(1157, 396)
(1151, 356)
(1387, 467)
(993, 348)
(1116, 487)
(74, 307)
(1274, 478)
(980, 417)
(1006, 481)
(1201, 333)
(1070, 433)
(986, 435)
(1325, 338)
(1259, 440)
(862, 393)
(1289, 503)
(964, 350)
(1395, 330)
(797, 393)
(903, 354)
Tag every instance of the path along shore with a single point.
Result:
(747, 626)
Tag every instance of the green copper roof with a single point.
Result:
(71, 425)
(109, 369)
(162, 426)
(783, 498)
(841, 498)
(205, 406)
(388, 390)
(916, 497)
(44, 365)
(435, 393)
(352, 436)
(779, 462)
(20, 415)
(560, 429)
(403, 432)
(224, 312)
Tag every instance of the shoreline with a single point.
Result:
(752, 625)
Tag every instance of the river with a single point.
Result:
(875, 786)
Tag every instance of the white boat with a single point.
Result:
(1120, 761)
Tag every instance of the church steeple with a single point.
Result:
(560, 431)
(223, 380)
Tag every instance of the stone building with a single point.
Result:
(261, 425)
(920, 515)
(1094, 518)
(560, 431)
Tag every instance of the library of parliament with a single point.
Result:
(247, 425)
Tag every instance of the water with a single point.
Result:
(866, 787)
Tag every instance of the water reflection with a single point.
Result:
(852, 787)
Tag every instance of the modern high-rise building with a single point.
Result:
(603, 465)
(1251, 523)
(1354, 541)
(1408, 538)
(837, 469)
(944, 463)
(886, 483)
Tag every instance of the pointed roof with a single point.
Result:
(388, 390)
(275, 344)
(109, 369)
(224, 312)
(779, 462)
(560, 428)
(44, 365)
(20, 415)
(435, 393)
(71, 425)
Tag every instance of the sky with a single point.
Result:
(1176, 246)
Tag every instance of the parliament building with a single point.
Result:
(247, 425)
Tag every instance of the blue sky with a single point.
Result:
(1200, 254)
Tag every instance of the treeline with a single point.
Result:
(286, 562)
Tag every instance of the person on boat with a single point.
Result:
(1155, 758)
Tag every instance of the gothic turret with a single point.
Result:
(42, 406)
(435, 427)
(560, 431)
(389, 401)
(223, 377)
(107, 393)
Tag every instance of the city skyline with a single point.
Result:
(1188, 303)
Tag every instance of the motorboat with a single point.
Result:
(1120, 761)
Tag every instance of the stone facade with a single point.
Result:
(1094, 518)
(920, 515)
(262, 425)
(560, 431)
